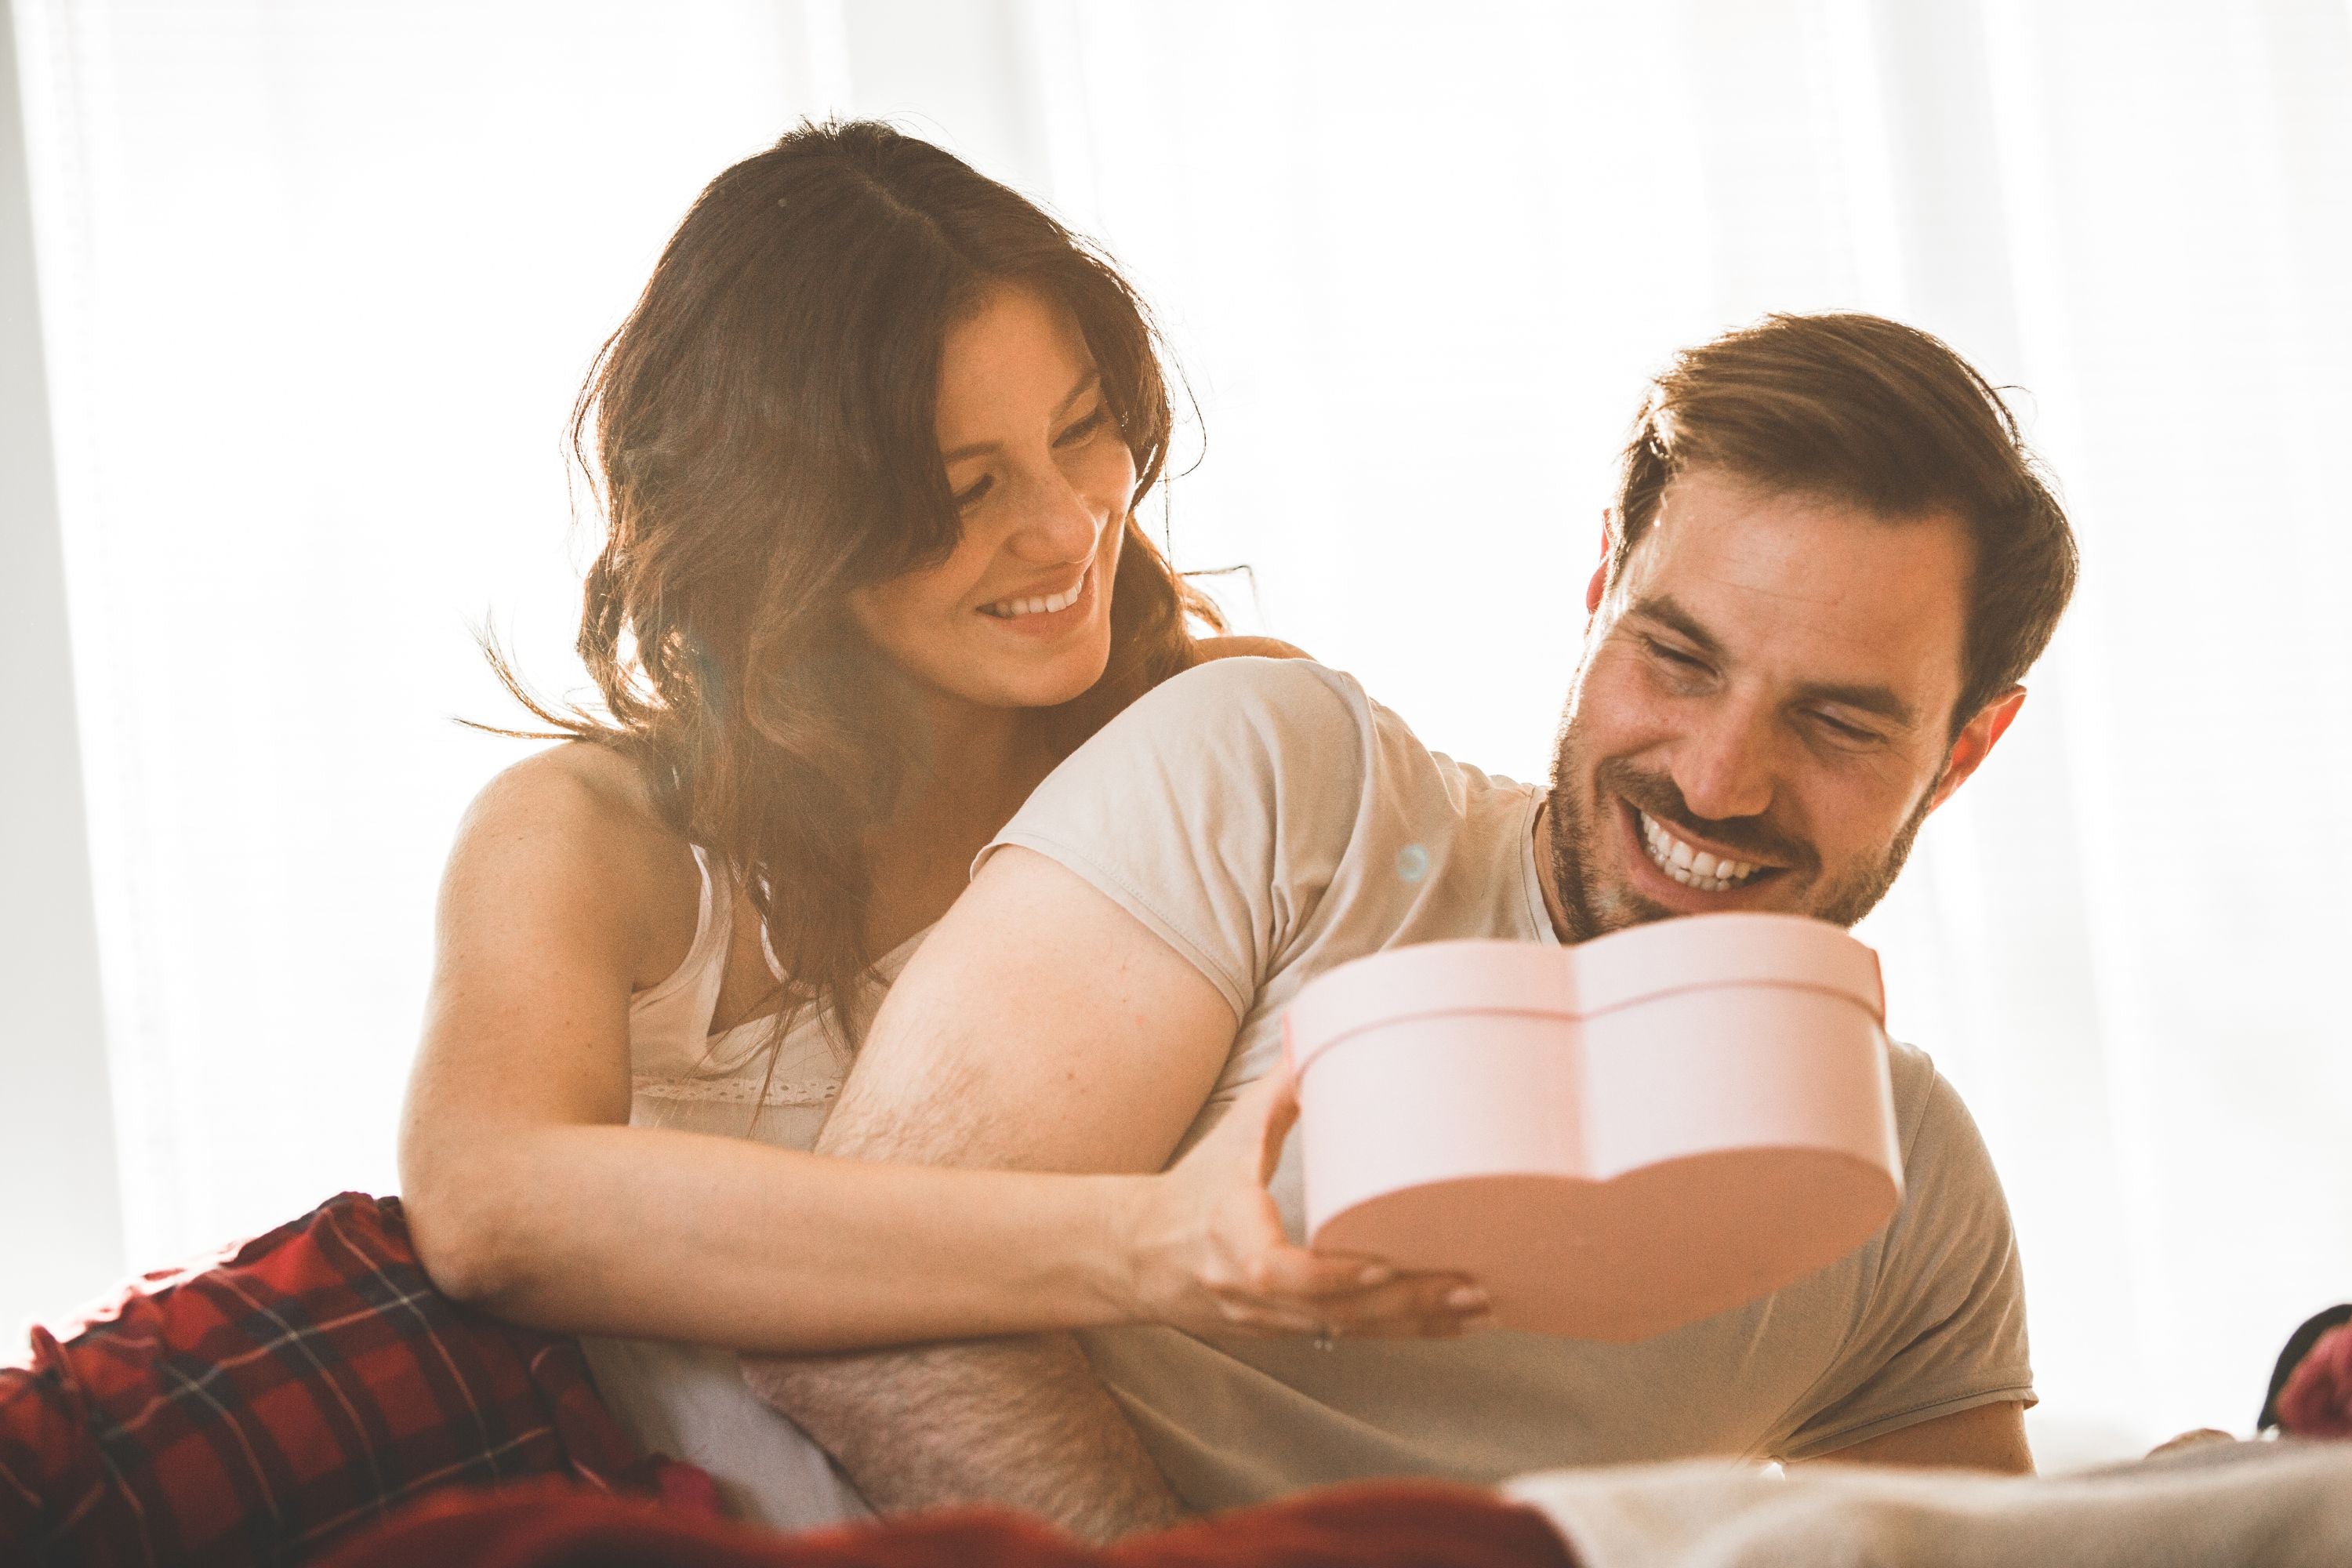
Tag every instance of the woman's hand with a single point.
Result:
(1207, 1252)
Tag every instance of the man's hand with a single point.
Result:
(1040, 1027)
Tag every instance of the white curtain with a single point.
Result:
(319, 282)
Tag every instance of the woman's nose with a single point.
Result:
(1057, 524)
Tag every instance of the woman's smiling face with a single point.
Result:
(1018, 614)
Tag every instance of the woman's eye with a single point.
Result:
(969, 496)
(1083, 428)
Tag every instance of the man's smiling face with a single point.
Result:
(1764, 713)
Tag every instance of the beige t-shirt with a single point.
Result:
(1269, 821)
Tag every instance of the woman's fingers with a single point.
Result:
(1281, 1114)
(1355, 1295)
(1240, 1273)
(1261, 1118)
(1415, 1304)
(1281, 1270)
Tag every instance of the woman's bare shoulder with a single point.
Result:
(1207, 648)
(577, 799)
(568, 844)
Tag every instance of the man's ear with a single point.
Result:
(1975, 742)
(1600, 583)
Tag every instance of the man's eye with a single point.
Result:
(1839, 729)
(1083, 428)
(1673, 655)
(969, 496)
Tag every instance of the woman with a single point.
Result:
(870, 447)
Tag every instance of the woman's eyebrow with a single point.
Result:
(1087, 383)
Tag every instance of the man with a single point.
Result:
(1829, 565)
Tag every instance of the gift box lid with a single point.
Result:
(1624, 967)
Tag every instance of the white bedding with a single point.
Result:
(2220, 1505)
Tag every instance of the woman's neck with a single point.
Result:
(977, 764)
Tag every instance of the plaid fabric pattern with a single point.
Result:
(254, 1407)
(1385, 1524)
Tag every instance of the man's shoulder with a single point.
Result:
(1941, 1145)
(1227, 709)
(1913, 1075)
(1254, 684)
(1279, 742)
(1923, 1100)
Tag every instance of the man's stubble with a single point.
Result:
(1574, 826)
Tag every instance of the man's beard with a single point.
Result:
(1573, 835)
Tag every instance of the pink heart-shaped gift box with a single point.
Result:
(1614, 1139)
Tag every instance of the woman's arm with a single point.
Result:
(528, 1193)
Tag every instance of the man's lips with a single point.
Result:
(1667, 856)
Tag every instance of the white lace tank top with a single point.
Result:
(686, 1076)
(689, 1401)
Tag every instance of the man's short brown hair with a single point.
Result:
(1865, 410)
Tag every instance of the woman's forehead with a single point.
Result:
(1014, 355)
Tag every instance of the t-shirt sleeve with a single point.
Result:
(1942, 1329)
(1215, 809)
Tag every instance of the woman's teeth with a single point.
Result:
(1691, 867)
(1009, 609)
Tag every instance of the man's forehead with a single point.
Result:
(1824, 588)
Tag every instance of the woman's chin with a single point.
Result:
(1063, 682)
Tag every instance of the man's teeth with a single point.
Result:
(1691, 867)
(1009, 609)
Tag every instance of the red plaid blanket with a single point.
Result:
(1388, 1524)
(252, 1409)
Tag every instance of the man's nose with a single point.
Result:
(1724, 765)
(1057, 524)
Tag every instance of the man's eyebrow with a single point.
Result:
(1881, 701)
(1663, 609)
(1087, 383)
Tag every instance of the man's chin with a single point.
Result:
(1619, 908)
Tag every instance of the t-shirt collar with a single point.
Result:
(1531, 872)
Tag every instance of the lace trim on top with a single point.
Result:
(739, 1090)
(678, 1061)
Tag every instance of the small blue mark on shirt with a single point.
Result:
(1413, 863)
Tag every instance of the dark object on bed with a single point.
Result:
(1395, 1524)
(2312, 1389)
(254, 1407)
(2299, 1346)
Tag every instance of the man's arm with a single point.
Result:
(1989, 1437)
(1040, 1027)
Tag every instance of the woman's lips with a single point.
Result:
(1016, 606)
(1047, 615)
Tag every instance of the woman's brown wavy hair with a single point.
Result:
(760, 435)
